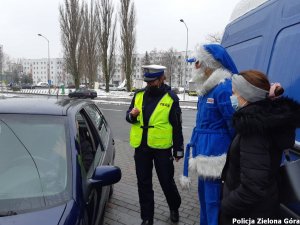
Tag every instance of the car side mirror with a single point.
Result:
(105, 175)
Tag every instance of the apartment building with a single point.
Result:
(38, 70)
(175, 75)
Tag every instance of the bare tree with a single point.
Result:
(84, 59)
(168, 59)
(107, 39)
(155, 56)
(6, 61)
(146, 59)
(179, 70)
(214, 38)
(71, 24)
(128, 24)
(90, 42)
(26, 79)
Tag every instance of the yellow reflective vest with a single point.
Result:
(160, 131)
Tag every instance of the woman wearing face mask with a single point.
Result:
(265, 125)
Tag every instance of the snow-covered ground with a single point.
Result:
(113, 97)
(124, 94)
(101, 94)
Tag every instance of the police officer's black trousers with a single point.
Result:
(163, 162)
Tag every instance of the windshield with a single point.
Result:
(33, 162)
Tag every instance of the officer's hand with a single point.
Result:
(177, 155)
(177, 158)
(135, 112)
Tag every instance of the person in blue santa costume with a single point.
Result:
(213, 132)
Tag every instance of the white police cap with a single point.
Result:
(152, 72)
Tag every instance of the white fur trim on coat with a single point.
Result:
(208, 166)
(185, 182)
(217, 77)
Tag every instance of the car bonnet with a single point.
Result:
(49, 216)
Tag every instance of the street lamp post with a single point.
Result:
(185, 67)
(48, 69)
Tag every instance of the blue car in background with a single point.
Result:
(56, 162)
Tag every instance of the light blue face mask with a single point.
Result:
(234, 102)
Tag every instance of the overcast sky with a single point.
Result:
(158, 24)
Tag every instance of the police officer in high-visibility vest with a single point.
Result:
(156, 129)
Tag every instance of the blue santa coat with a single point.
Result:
(213, 129)
(213, 132)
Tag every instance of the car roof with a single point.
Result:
(40, 106)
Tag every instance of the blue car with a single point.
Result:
(56, 162)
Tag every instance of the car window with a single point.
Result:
(90, 148)
(33, 162)
(100, 123)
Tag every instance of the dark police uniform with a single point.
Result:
(163, 158)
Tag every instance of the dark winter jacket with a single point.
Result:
(264, 129)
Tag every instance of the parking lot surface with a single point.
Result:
(123, 208)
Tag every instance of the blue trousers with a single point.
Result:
(209, 196)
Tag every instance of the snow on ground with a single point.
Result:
(114, 94)
(186, 97)
(124, 94)
(113, 97)
(100, 94)
(2, 95)
(119, 95)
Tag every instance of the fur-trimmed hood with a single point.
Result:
(279, 118)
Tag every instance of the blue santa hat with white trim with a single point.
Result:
(220, 54)
(215, 55)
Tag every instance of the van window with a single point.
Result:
(287, 71)
(252, 47)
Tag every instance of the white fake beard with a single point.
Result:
(199, 76)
